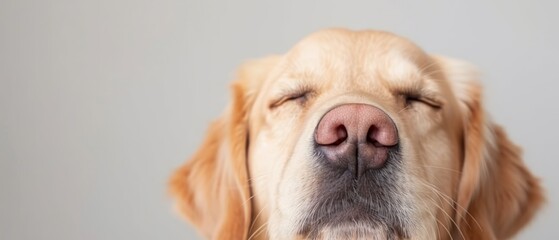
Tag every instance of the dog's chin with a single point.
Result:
(355, 231)
(352, 224)
(354, 220)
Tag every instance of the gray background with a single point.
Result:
(100, 100)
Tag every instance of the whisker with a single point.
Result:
(442, 168)
(447, 198)
(256, 218)
(450, 201)
(427, 66)
(258, 231)
(440, 208)
(438, 229)
(442, 195)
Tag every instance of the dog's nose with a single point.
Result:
(356, 136)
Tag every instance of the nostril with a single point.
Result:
(382, 136)
(332, 135)
(375, 137)
(371, 136)
(341, 133)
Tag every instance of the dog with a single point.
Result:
(356, 135)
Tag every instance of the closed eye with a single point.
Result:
(411, 99)
(297, 97)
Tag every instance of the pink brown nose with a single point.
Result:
(356, 136)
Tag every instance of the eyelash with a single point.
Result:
(302, 97)
(299, 97)
(413, 98)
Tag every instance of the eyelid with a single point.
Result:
(433, 102)
(288, 97)
(423, 97)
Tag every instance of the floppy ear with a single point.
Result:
(212, 189)
(497, 194)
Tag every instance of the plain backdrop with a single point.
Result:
(101, 99)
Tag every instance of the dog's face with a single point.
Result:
(351, 135)
(356, 135)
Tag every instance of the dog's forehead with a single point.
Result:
(353, 59)
(362, 52)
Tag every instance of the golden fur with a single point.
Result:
(249, 180)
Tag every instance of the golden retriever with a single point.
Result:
(356, 135)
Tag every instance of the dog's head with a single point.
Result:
(356, 135)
